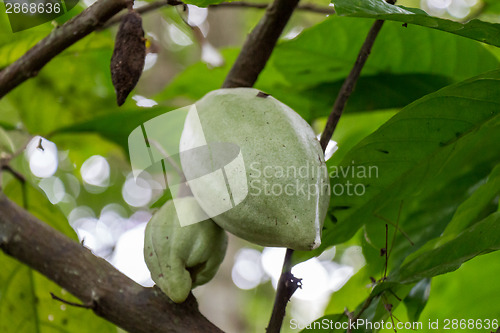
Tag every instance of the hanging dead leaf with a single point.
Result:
(128, 57)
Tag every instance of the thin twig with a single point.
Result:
(349, 84)
(14, 173)
(142, 10)
(365, 306)
(395, 226)
(245, 4)
(396, 229)
(287, 285)
(85, 306)
(348, 314)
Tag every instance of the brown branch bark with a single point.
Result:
(99, 286)
(250, 62)
(240, 4)
(260, 44)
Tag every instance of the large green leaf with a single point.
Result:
(473, 209)
(417, 299)
(314, 65)
(481, 238)
(470, 210)
(378, 9)
(374, 92)
(425, 213)
(440, 137)
(491, 7)
(327, 52)
(204, 3)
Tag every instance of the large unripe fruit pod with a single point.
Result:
(182, 257)
(276, 180)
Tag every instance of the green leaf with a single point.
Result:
(105, 125)
(425, 213)
(70, 89)
(327, 51)
(470, 210)
(307, 72)
(491, 7)
(26, 305)
(378, 9)
(374, 92)
(439, 207)
(13, 46)
(417, 299)
(432, 141)
(483, 237)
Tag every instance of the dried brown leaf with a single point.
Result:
(128, 57)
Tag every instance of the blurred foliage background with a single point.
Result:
(80, 182)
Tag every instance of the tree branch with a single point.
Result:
(260, 44)
(287, 285)
(257, 5)
(142, 10)
(93, 280)
(349, 84)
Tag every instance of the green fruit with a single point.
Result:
(276, 178)
(181, 258)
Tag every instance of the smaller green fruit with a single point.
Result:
(181, 258)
